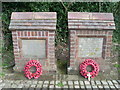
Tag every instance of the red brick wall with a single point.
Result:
(48, 63)
(75, 60)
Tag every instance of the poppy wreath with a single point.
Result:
(27, 67)
(84, 65)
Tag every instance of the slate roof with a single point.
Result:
(86, 20)
(33, 20)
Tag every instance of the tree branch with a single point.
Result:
(69, 4)
(63, 5)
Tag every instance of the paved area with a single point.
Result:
(37, 85)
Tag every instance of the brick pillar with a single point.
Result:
(90, 26)
(27, 27)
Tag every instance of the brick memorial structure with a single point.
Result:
(33, 35)
(90, 38)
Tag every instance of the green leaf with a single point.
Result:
(117, 65)
(60, 84)
(2, 74)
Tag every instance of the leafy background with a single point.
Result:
(62, 33)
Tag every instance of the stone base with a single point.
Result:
(72, 71)
(103, 74)
(16, 69)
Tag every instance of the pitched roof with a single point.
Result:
(33, 20)
(86, 20)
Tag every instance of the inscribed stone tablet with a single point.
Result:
(90, 47)
(34, 48)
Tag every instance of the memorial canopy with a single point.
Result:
(33, 20)
(86, 20)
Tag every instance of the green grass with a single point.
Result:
(60, 84)
(117, 65)
(62, 66)
(2, 74)
(7, 57)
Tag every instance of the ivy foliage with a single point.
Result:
(62, 8)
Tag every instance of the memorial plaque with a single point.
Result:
(34, 48)
(90, 47)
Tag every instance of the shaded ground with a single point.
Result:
(11, 75)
